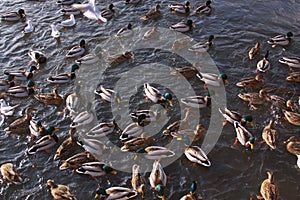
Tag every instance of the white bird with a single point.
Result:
(90, 11)
(29, 28)
(69, 22)
(54, 32)
(7, 110)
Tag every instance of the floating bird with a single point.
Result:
(152, 14)
(204, 9)
(59, 191)
(114, 193)
(211, 79)
(264, 64)
(89, 59)
(254, 52)
(252, 83)
(254, 98)
(125, 31)
(108, 13)
(13, 16)
(77, 160)
(138, 182)
(65, 2)
(7, 110)
(243, 136)
(187, 71)
(192, 195)
(76, 51)
(5, 84)
(136, 143)
(38, 130)
(10, 174)
(268, 189)
(118, 59)
(101, 130)
(292, 117)
(132, 2)
(156, 152)
(151, 33)
(232, 116)
(90, 11)
(95, 169)
(292, 62)
(54, 31)
(295, 77)
(155, 96)
(68, 10)
(37, 57)
(69, 22)
(67, 147)
(133, 130)
(45, 143)
(29, 28)
(107, 95)
(22, 75)
(293, 146)
(183, 26)
(281, 40)
(52, 98)
(202, 46)
(64, 78)
(22, 91)
(84, 118)
(73, 103)
(180, 8)
(144, 116)
(158, 179)
(270, 135)
(196, 155)
(197, 101)
(94, 146)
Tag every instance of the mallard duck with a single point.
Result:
(192, 195)
(243, 136)
(281, 40)
(76, 51)
(204, 9)
(132, 2)
(5, 84)
(90, 58)
(64, 78)
(10, 174)
(7, 110)
(73, 103)
(183, 26)
(155, 95)
(90, 11)
(278, 101)
(59, 191)
(95, 169)
(136, 143)
(37, 130)
(180, 8)
(77, 160)
(29, 28)
(108, 95)
(68, 10)
(37, 57)
(138, 181)
(65, 2)
(254, 52)
(268, 189)
(295, 76)
(84, 118)
(151, 34)
(13, 16)
(270, 135)
(53, 98)
(115, 193)
(292, 117)
(133, 130)
(292, 62)
(22, 75)
(118, 59)
(203, 46)
(94, 146)
(293, 146)
(192, 135)
(21, 125)
(108, 13)
(254, 98)
(211, 79)
(125, 31)
(156, 152)
(102, 129)
(231, 116)
(152, 14)
(69, 22)
(142, 117)
(45, 143)
(197, 101)
(252, 83)
(158, 179)
(67, 147)
(264, 64)
(187, 71)
(196, 155)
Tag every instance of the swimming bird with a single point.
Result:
(293, 146)
(29, 28)
(108, 13)
(158, 179)
(156, 152)
(254, 52)
(92, 145)
(84, 118)
(232, 116)
(90, 58)
(118, 59)
(187, 71)
(22, 91)
(270, 135)
(21, 74)
(13, 16)
(151, 33)
(243, 136)
(197, 101)
(136, 143)
(202, 46)
(76, 161)
(264, 64)
(68, 10)
(252, 83)
(59, 191)
(155, 96)
(54, 31)
(7, 110)
(281, 40)
(254, 98)
(268, 189)
(90, 11)
(5, 84)
(295, 77)
(101, 130)
(115, 193)
(53, 98)
(196, 155)
(95, 169)
(125, 31)
(138, 181)
(64, 78)
(77, 51)
(180, 8)
(45, 143)
(65, 2)
(152, 14)
(192, 195)
(292, 117)
(37, 57)
(67, 147)
(133, 130)
(183, 26)
(204, 9)
(132, 2)
(69, 22)
(144, 116)
(211, 79)
(292, 62)
(10, 173)
(107, 95)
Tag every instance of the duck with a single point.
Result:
(254, 51)
(268, 188)
(22, 91)
(125, 31)
(84, 118)
(77, 51)
(107, 95)
(108, 13)
(91, 58)
(115, 193)
(53, 98)
(152, 14)
(156, 152)
(270, 135)
(37, 129)
(101, 130)
(204, 9)
(151, 34)
(68, 10)
(264, 64)
(66, 147)
(252, 83)
(180, 8)
(118, 59)
(95, 169)
(192, 195)
(29, 28)
(54, 31)
(211, 79)
(14, 16)
(281, 40)
(188, 135)
(278, 101)
(132, 2)
(10, 173)
(292, 145)
(182, 43)
(65, 2)
(154, 95)
(138, 181)
(142, 117)
(73, 103)
(21, 74)
(158, 179)
(243, 136)
(133, 130)
(45, 143)
(196, 155)
(196, 101)
(37, 57)
(136, 143)
(76, 161)
(21, 124)
(292, 62)
(232, 116)
(186, 71)
(254, 98)
(295, 77)
(64, 78)
(94, 146)
(59, 191)
(183, 26)
(90, 11)
(69, 22)
(203, 46)
(6, 109)
(292, 117)
(5, 84)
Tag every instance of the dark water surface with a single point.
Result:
(237, 25)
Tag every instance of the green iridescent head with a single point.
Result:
(168, 96)
(251, 140)
(30, 83)
(289, 34)
(74, 67)
(160, 190)
(193, 187)
(248, 118)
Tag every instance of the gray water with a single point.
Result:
(235, 173)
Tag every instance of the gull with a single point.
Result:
(7, 110)
(90, 11)
(69, 22)
(54, 32)
(29, 28)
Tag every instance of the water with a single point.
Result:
(235, 173)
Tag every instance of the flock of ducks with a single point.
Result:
(133, 137)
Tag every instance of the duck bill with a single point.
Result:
(226, 82)
(97, 196)
(118, 100)
(114, 172)
(56, 129)
(171, 103)
(163, 197)
(35, 87)
(251, 146)
(193, 25)
(252, 124)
